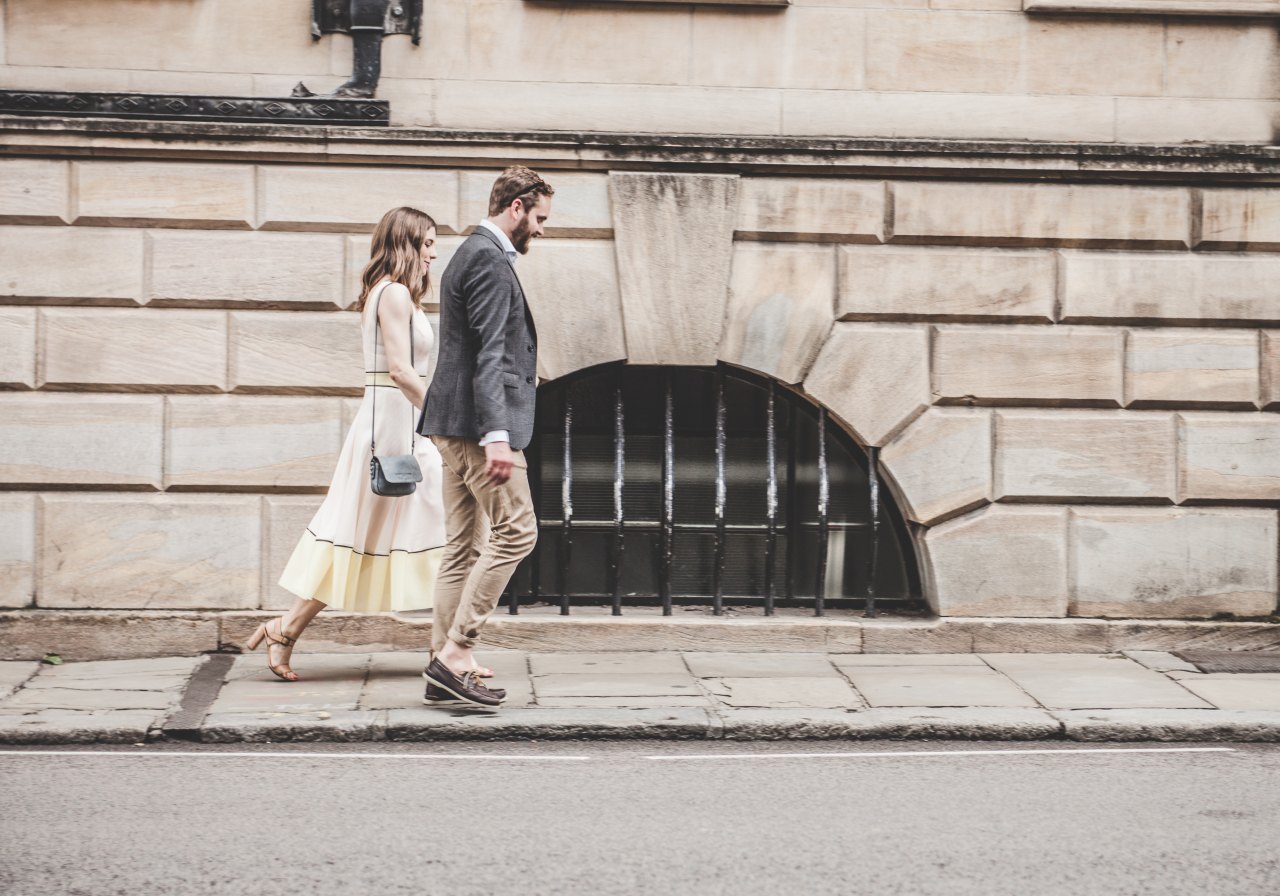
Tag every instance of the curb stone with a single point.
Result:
(1256, 726)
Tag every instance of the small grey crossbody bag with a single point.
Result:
(393, 475)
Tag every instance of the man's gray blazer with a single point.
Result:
(487, 372)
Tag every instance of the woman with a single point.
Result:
(364, 552)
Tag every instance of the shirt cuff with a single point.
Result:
(497, 435)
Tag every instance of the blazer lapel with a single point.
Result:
(528, 313)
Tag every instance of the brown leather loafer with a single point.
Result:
(466, 687)
(436, 696)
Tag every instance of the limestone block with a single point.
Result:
(1097, 57)
(297, 351)
(17, 549)
(1229, 457)
(506, 36)
(1001, 561)
(348, 198)
(34, 191)
(1003, 365)
(812, 46)
(572, 289)
(272, 269)
(1221, 59)
(1191, 367)
(17, 347)
(872, 376)
(445, 57)
(286, 517)
(961, 284)
(1149, 119)
(625, 108)
(780, 308)
(934, 115)
(134, 348)
(1270, 369)
(580, 207)
(1173, 562)
(1099, 455)
(164, 194)
(818, 210)
(153, 552)
(169, 37)
(1240, 219)
(243, 441)
(1166, 288)
(941, 464)
(674, 242)
(81, 439)
(933, 50)
(102, 265)
(1041, 215)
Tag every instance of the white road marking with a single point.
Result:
(218, 754)
(997, 752)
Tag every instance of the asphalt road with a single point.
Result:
(597, 818)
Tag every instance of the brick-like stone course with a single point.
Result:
(164, 194)
(17, 549)
(285, 518)
(1247, 219)
(93, 265)
(17, 348)
(34, 191)
(1191, 368)
(346, 199)
(811, 210)
(941, 464)
(304, 351)
(1229, 457)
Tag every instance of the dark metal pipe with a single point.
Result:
(668, 493)
(771, 501)
(619, 477)
(566, 503)
(717, 571)
(793, 504)
(873, 479)
(824, 530)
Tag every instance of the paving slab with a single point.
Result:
(1076, 681)
(669, 663)
(846, 660)
(883, 686)
(332, 684)
(342, 726)
(402, 688)
(622, 702)
(56, 726)
(759, 665)
(1227, 690)
(311, 667)
(614, 685)
(1170, 725)
(567, 723)
(890, 724)
(1159, 661)
(91, 700)
(104, 670)
(784, 693)
(14, 674)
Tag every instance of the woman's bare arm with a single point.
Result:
(395, 310)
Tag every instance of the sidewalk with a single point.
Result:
(220, 698)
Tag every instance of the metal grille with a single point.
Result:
(667, 486)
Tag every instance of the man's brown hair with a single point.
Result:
(517, 182)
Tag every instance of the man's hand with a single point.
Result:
(497, 468)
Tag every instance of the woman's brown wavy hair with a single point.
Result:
(396, 253)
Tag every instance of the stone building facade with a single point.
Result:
(1028, 254)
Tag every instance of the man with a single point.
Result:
(479, 414)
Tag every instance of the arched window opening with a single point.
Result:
(662, 486)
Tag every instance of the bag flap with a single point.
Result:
(400, 468)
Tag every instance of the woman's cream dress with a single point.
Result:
(362, 552)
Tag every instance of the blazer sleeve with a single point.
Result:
(488, 305)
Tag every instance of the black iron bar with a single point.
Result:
(873, 555)
(535, 487)
(717, 571)
(770, 501)
(824, 531)
(793, 503)
(668, 493)
(619, 477)
(566, 503)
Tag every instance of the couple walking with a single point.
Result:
(368, 553)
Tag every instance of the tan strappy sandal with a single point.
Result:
(279, 639)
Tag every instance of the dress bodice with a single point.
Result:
(375, 359)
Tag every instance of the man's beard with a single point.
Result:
(521, 236)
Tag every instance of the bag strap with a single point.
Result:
(373, 412)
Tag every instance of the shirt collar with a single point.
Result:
(503, 239)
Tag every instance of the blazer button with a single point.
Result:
(529, 347)
(528, 379)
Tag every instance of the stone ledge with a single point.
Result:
(104, 634)
(57, 137)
